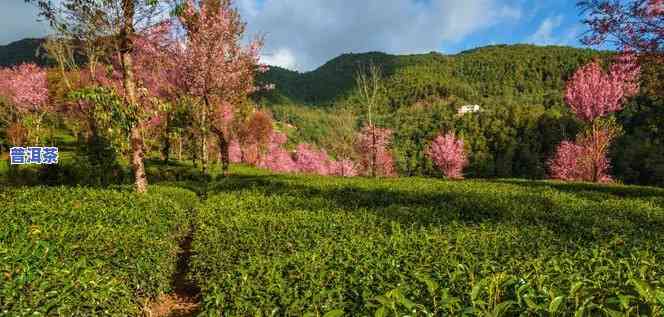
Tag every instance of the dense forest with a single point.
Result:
(519, 89)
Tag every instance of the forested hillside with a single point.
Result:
(521, 72)
(23, 51)
(518, 87)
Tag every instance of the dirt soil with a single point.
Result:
(185, 299)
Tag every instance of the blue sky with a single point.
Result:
(303, 34)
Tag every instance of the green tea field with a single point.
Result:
(288, 245)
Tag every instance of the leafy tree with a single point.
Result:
(110, 27)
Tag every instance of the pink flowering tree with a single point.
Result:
(373, 147)
(277, 158)
(593, 94)
(26, 88)
(637, 24)
(344, 168)
(216, 68)
(565, 163)
(310, 160)
(448, 154)
(234, 151)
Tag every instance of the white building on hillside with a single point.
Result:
(469, 109)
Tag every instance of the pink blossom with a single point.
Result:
(373, 147)
(626, 71)
(592, 93)
(234, 151)
(638, 24)
(584, 160)
(310, 160)
(565, 163)
(447, 152)
(26, 86)
(277, 158)
(343, 167)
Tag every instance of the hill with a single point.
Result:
(525, 72)
(22, 51)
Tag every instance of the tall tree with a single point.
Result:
(373, 141)
(216, 67)
(110, 26)
(26, 87)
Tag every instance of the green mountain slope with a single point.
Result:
(524, 72)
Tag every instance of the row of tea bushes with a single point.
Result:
(86, 252)
(294, 246)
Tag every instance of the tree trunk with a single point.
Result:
(179, 147)
(165, 149)
(204, 145)
(223, 152)
(373, 151)
(140, 179)
(126, 34)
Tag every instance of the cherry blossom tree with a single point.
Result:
(448, 153)
(583, 160)
(344, 167)
(277, 158)
(373, 147)
(565, 163)
(310, 160)
(26, 87)
(215, 66)
(633, 24)
(234, 151)
(110, 27)
(592, 94)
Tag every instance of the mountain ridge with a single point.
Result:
(512, 71)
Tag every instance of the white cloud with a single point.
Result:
(546, 32)
(282, 57)
(306, 33)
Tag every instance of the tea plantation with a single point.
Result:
(287, 245)
(295, 246)
(88, 252)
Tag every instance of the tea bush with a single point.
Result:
(83, 252)
(294, 246)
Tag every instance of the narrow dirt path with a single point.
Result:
(184, 301)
